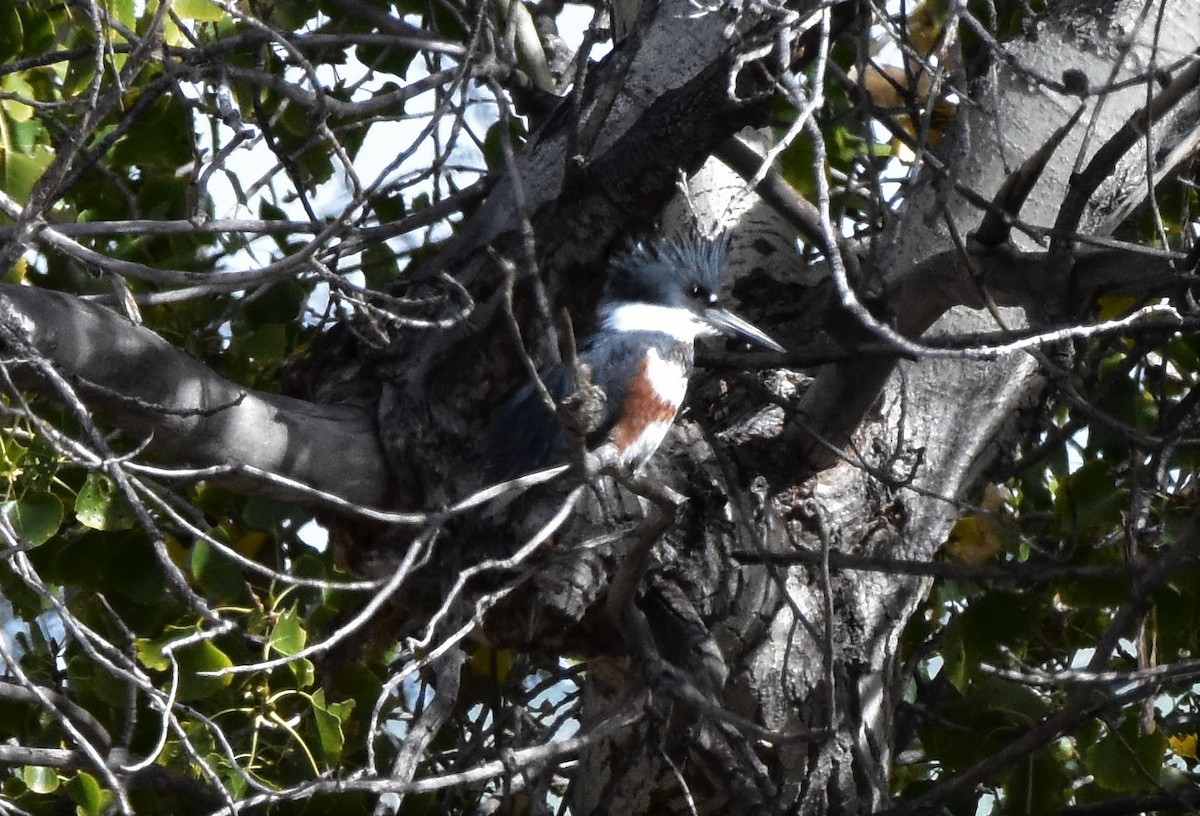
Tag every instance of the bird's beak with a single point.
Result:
(728, 323)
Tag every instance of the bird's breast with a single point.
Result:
(651, 402)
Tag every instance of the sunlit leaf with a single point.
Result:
(199, 10)
(40, 779)
(288, 636)
(101, 506)
(973, 540)
(124, 11)
(17, 110)
(150, 654)
(19, 172)
(18, 272)
(304, 673)
(12, 454)
(1183, 745)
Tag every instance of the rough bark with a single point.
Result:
(807, 648)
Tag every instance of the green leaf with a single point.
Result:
(304, 673)
(12, 31)
(35, 517)
(294, 14)
(493, 145)
(92, 800)
(200, 10)
(269, 212)
(193, 661)
(39, 28)
(39, 779)
(389, 58)
(1019, 705)
(12, 453)
(991, 711)
(265, 344)
(101, 506)
(20, 171)
(217, 573)
(97, 689)
(954, 658)
(1089, 501)
(797, 163)
(1038, 784)
(287, 636)
(150, 654)
(1128, 402)
(389, 207)
(379, 266)
(329, 719)
(1127, 760)
(123, 10)
(283, 303)
(17, 110)
(162, 139)
(263, 513)
(78, 77)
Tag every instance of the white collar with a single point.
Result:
(679, 323)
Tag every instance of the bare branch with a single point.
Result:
(206, 420)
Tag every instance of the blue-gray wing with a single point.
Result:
(525, 435)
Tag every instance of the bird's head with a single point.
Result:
(673, 286)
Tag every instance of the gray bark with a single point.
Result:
(807, 649)
(188, 414)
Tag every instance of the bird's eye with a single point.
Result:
(696, 290)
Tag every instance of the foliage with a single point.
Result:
(96, 129)
(1093, 513)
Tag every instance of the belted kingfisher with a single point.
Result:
(659, 298)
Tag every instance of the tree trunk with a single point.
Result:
(810, 647)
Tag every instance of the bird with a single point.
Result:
(659, 297)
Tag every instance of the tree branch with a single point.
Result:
(189, 413)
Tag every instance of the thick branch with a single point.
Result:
(150, 389)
